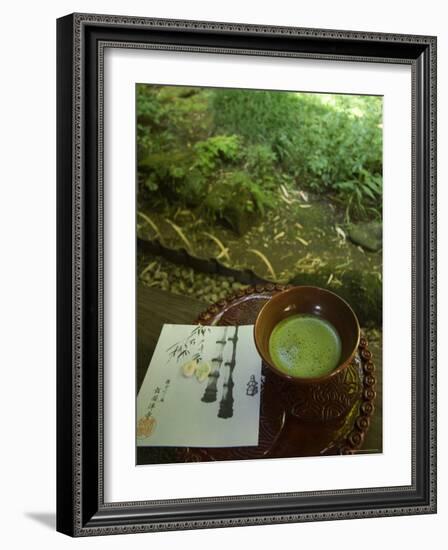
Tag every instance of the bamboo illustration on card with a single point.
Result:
(204, 401)
(212, 386)
(226, 404)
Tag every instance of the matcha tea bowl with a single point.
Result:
(306, 334)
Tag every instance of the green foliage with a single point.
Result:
(169, 117)
(258, 116)
(325, 143)
(359, 195)
(236, 198)
(223, 150)
(210, 176)
(341, 150)
(235, 189)
(260, 162)
(209, 154)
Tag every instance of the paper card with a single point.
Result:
(201, 389)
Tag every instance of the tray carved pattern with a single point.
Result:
(315, 419)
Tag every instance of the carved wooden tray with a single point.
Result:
(318, 419)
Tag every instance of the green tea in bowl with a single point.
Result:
(306, 334)
(305, 346)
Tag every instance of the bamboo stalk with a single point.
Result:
(150, 223)
(179, 231)
(224, 251)
(265, 260)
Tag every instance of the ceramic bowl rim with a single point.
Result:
(308, 380)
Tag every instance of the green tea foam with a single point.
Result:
(305, 346)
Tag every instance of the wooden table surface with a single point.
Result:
(156, 307)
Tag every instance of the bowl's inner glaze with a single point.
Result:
(312, 301)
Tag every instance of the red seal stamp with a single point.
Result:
(145, 426)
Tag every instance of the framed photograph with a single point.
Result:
(246, 274)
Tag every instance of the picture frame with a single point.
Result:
(81, 506)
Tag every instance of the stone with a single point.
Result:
(238, 220)
(368, 235)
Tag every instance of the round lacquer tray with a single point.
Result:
(315, 419)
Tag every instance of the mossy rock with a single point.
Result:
(238, 219)
(367, 235)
